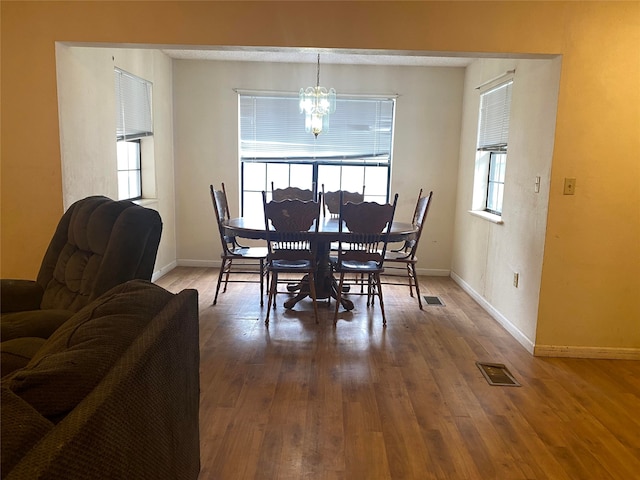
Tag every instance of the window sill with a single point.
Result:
(145, 202)
(487, 216)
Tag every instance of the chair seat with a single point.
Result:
(404, 257)
(249, 252)
(349, 266)
(291, 265)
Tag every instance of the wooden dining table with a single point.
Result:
(328, 231)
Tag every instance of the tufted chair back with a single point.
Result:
(98, 244)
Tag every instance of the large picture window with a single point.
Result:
(353, 154)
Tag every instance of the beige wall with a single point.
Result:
(426, 143)
(87, 137)
(590, 284)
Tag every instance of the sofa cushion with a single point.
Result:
(17, 353)
(21, 428)
(32, 323)
(76, 357)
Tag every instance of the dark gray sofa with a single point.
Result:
(111, 394)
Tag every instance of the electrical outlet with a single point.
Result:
(516, 279)
(569, 186)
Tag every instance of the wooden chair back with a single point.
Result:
(291, 193)
(419, 217)
(221, 210)
(331, 200)
(288, 225)
(368, 225)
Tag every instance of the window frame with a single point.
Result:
(492, 141)
(137, 170)
(493, 183)
(134, 122)
(317, 161)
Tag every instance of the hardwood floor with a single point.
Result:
(359, 401)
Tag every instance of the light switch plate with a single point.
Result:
(569, 186)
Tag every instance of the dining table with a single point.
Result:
(328, 232)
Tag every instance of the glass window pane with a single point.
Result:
(301, 176)
(376, 181)
(329, 175)
(502, 162)
(123, 185)
(122, 153)
(490, 196)
(353, 178)
(134, 184)
(255, 176)
(133, 155)
(252, 206)
(278, 173)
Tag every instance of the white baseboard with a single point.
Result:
(184, 262)
(163, 271)
(515, 332)
(433, 272)
(568, 351)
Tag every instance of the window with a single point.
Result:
(495, 184)
(134, 121)
(129, 171)
(491, 159)
(354, 153)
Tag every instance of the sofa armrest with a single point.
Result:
(141, 421)
(20, 295)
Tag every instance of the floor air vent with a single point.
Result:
(497, 374)
(433, 301)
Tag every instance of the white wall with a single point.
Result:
(426, 143)
(485, 254)
(86, 109)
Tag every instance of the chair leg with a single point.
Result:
(312, 288)
(378, 282)
(227, 271)
(415, 279)
(338, 298)
(220, 273)
(370, 291)
(272, 287)
(412, 279)
(262, 282)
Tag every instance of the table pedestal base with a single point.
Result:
(326, 287)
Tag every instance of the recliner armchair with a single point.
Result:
(98, 244)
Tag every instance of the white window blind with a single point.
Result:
(495, 108)
(133, 102)
(272, 127)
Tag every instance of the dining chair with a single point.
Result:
(291, 193)
(237, 260)
(362, 248)
(331, 200)
(405, 258)
(289, 226)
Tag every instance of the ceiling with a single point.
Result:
(327, 56)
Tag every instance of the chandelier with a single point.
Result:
(317, 103)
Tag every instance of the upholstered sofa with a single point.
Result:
(98, 244)
(113, 393)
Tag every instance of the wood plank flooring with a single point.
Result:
(298, 400)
